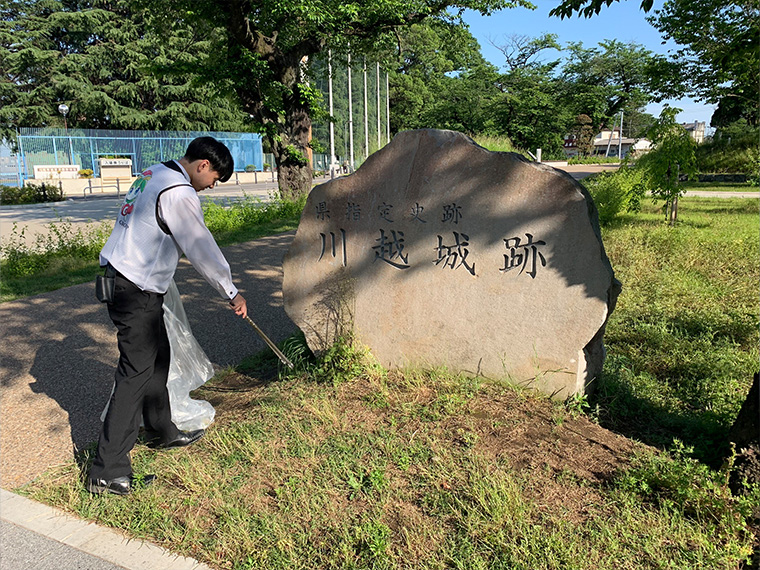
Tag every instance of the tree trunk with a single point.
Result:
(291, 149)
(294, 175)
(674, 211)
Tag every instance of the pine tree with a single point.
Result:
(108, 62)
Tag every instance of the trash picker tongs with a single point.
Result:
(284, 359)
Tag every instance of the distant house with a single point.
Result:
(603, 140)
(696, 130)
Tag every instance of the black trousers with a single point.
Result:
(140, 391)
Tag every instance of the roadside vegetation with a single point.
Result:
(30, 194)
(65, 256)
(341, 464)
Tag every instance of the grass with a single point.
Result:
(344, 465)
(721, 186)
(63, 256)
(683, 340)
(408, 471)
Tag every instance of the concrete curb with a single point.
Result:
(103, 543)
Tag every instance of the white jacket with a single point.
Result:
(161, 218)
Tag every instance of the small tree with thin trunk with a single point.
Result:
(673, 155)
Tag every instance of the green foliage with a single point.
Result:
(250, 168)
(224, 221)
(682, 343)
(720, 54)
(733, 149)
(109, 62)
(344, 361)
(616, 192)
(497, 144)
(61, 242)
(85, 173)
(673, 155)
(681, 484)
(31, 194)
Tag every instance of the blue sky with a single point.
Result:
(623, 21)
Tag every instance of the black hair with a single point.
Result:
(208, 148)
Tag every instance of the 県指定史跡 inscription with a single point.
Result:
(439, 252)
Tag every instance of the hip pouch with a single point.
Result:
(104, 286)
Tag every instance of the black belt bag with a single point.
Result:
(104, 285)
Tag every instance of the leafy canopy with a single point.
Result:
(108, 63)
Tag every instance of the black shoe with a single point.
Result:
(183, 438)
(119, 485)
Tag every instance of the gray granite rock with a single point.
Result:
(437, 252)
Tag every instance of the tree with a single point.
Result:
(263, 47)
(610, 78)
(721, 53)
(720, 60)
(105, 60)
(441, 80)
(584, 134)
(531, 108)
(673, 154)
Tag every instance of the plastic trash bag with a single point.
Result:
(189, 369)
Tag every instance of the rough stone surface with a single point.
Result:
(437, 252)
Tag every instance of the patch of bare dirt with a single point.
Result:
(566, 459)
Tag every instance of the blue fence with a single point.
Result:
(84, 147)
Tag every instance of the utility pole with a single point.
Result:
(620, 140)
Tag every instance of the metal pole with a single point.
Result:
(23, 157)
(387, 109)
(377, 84)
(609, 141)
(332, 126)
(350, 117)
(620, 140)
(366, 121)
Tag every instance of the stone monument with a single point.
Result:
(438, 252)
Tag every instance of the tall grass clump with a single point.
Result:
(62, 246)
(251, 217)
(64, 255)
(498, 143)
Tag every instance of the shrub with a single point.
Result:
(250, 168)
(733, 149)
(85, 173)
(31, 194)
(616, 192)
